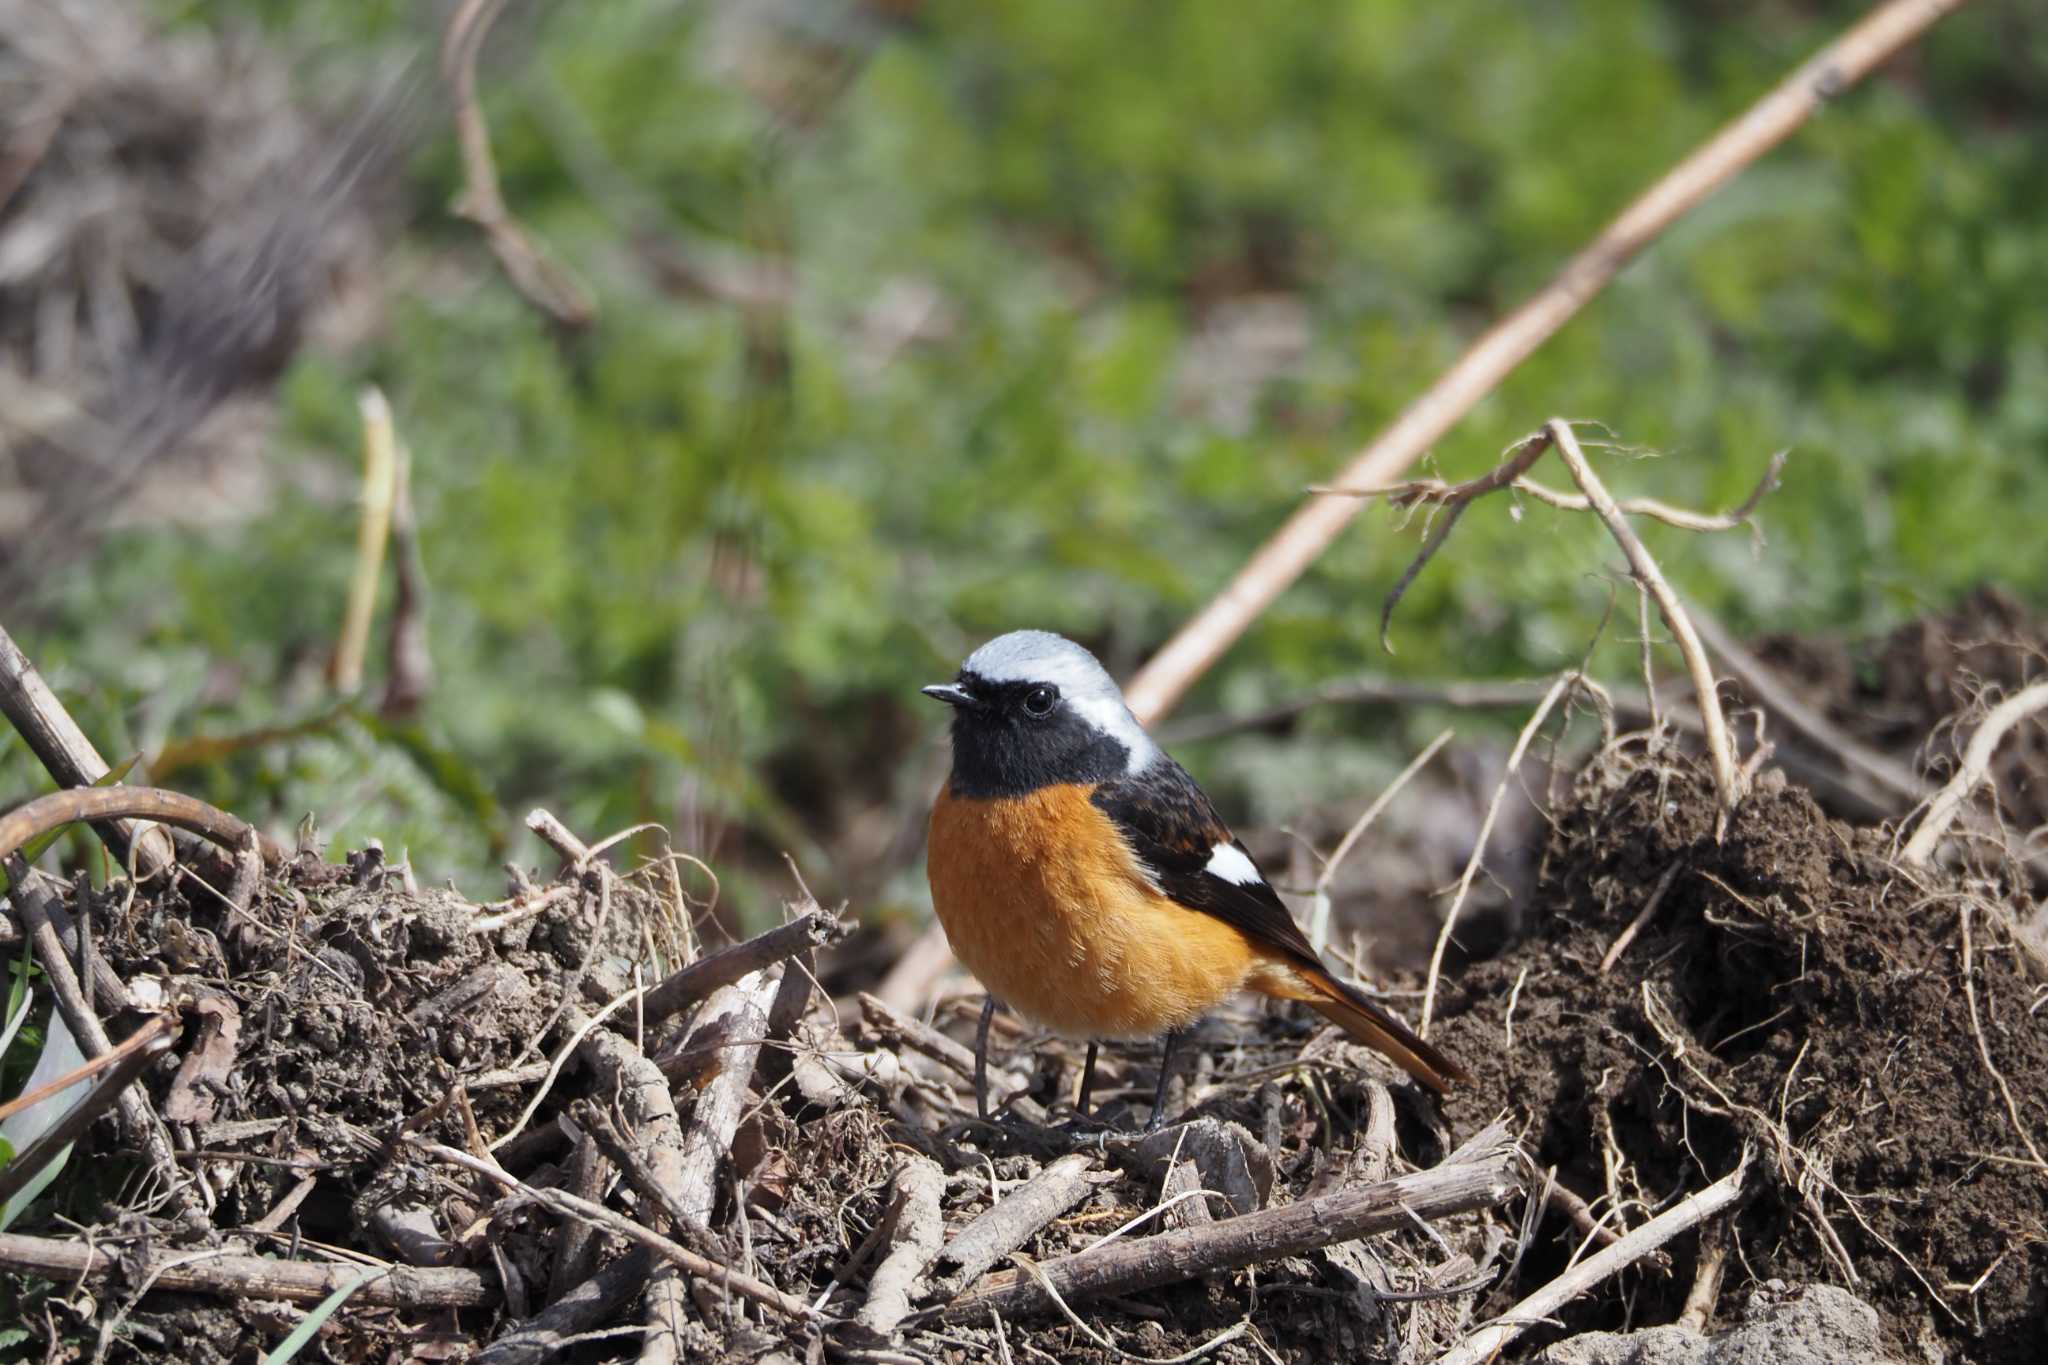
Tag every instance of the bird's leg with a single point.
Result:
(1087, 1083)
(1166, 1051)
(988, 1012)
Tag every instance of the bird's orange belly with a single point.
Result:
(1043, 902)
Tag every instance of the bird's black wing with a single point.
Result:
(1175, 832)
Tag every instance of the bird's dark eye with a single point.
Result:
(1039, 700)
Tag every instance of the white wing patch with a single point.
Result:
(1228, 862)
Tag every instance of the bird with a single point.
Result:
(1087, 881)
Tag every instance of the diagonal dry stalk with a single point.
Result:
(1558, 689)
(1317, 523)
(568, 1205)
(1319, 917)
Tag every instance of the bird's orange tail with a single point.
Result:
(1365, 1021)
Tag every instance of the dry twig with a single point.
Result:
(1949, 801)
(545, 284)
(2012, 1109)
(121, 1065)
(569, 1206)
(1635, 926)
(1558, 689)
(1489, 1341)
(1698, 1309)
(1319, 916)
(101, 804)
(727, 1043)
(62, 748)
(918, 1231)
(1008, 1225)
(1896, 780)
(683, 989)
(143, 1040)
(1720, 751)
(552, 1334)
(41, 915)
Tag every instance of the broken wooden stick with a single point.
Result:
(1484, 1175)
(919, 1229)
(1016, 1219)
(728, 1040)
(176, 1270)
(684, 988)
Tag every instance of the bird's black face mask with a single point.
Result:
(1012, 738)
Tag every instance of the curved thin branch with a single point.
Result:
(544, 283)
(1684, 518)
(58, 809)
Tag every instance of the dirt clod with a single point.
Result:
(1797, 994)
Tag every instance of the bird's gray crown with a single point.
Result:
(1086, 687)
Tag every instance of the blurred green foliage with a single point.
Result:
(1084, 295)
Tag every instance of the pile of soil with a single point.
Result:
(1799, 994)
(1867, 1033)
(363, 1009)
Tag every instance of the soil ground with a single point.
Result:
(1797, 994)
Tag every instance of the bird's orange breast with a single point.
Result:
(1042, 900)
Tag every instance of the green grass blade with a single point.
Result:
(289, 1348)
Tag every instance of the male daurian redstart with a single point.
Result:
(1088, 882)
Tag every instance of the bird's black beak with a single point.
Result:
(953, 694)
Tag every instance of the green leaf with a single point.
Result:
(60, 1055)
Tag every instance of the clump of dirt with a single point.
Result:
(359, 1004)
(1903, 693)
(1798, 995)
